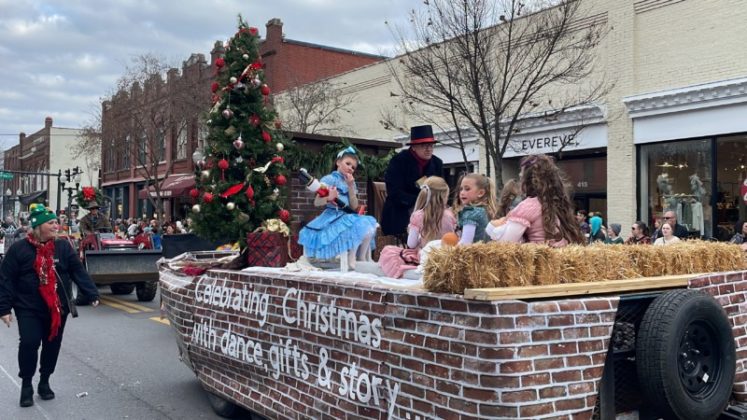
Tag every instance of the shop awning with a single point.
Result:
(34, 197)
(173, 186)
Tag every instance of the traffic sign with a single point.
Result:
(6, 176)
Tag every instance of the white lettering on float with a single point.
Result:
(285, 357)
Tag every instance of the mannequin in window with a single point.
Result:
(696, 187)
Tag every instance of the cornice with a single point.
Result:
(707, 95)
(571, 117)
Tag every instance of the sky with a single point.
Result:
(59, 58)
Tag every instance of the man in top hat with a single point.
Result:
(94, 221)
(402, 176)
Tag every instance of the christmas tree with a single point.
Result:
(240, 176)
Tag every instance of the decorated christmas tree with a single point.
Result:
(240, 175)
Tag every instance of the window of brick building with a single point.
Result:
(181, 141)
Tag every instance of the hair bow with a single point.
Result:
(347, 151)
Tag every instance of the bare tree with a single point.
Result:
(145, 114)
(481, 66)
(315, 108)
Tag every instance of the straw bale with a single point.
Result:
(452, 269)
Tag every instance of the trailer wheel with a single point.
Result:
(146, 291)
(685, 355)
(221, 406)
(122, 288)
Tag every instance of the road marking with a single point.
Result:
(116, 305)
(42, 411)
(163, 321)
(135, 306)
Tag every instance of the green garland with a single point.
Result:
(321, 163)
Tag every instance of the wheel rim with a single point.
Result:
(698, 359)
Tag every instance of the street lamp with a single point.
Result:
(12, 199)
(66, 181)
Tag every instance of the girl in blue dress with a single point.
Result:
(337, 231)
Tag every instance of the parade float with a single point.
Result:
(491, 330)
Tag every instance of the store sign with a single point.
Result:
(567, 139)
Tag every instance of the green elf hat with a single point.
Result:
(40, 215)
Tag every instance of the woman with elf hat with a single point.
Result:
(402, 176)
(35, 282)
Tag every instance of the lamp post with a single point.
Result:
(69, 181)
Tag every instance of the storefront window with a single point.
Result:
(731, 155)
(677, 176)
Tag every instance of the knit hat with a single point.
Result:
(616, 228)
(40, 215)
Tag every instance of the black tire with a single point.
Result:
(684, 337)
(146, 291)
(221, 406)
(122, 288)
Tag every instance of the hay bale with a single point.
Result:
(452, 269)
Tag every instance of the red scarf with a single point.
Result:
(44, 267)
(422, 163)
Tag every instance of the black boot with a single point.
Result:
(27, 393)
(45, 392)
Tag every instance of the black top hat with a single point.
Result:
(421, 134)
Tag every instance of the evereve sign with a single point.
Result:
(567, 139)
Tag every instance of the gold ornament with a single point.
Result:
(280, 147)
(196, 208)
(230, 206)
(243, 217)
(275, 225)
(205, 174)
(230, 131)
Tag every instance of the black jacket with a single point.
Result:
(402, 190)
(19, 283)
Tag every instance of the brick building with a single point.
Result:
(671, 133)
(288, 63)
(47, 151)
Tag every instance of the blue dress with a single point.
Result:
(335, 231)
(474, 216)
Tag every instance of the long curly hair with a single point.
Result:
(487, 201)
(433, 204)
(541, 178)
(511, 190)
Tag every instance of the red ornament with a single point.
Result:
(249, 193)
(194, 193)
(253, 31)
(256, 65)
(278, 159)
(265, 90)
(232, 190)
(266, 137)
(207, 197)
(89, 193)
(254, 120)
(284, 215)
(220, 62)
(214, 87)
(223, 164)
(280, 180)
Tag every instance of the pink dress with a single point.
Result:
(528, 213)
(391, 261)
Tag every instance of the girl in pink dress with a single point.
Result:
(430, 221)
(546, 215)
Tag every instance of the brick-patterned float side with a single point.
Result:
(730, 290)
(287, 346)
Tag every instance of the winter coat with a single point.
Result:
(402, 190)
(19, 283)
(87, 224)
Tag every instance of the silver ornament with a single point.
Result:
(227, 113)
(238, 143)
(201, 163)
(239, 160)
(198, 156)
(245, 56)
(233, 80)
(205, 174)
(280, 147)
(230, 206)
(196, 208)
(256, 82)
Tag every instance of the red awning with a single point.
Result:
(173, 186)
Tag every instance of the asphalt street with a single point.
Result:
(118, 361)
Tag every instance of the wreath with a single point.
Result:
(89, 195)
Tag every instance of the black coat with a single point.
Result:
(402, 190)
(19, 283)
